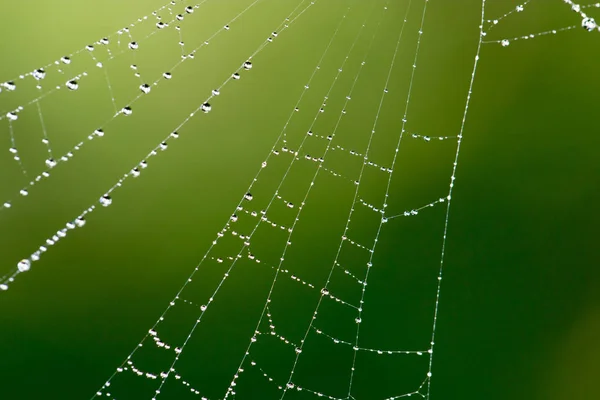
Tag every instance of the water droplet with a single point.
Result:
(216, 92)
(50, 163)
(39, 74)
(12, 116)
(133, 45)
(72, 85)
(80, 221)
(23, 192)
(247, 65)
(104, 41)
(505, 42)
(89, 47)
(10, 85)
(145, 88)
(589, 24)
(189, 9)
(160, 25)
(105, 200)
(206, 107)
(248, 196)
(167, 75)
(235, 76)
(24, 265)
(65, 60)
(127, 110)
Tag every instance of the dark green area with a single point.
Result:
(519, 312)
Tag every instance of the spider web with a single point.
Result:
(300, 308)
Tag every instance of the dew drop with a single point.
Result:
(39, 74)
(51, 163)
(216, 92)
(505, 42)
(72, 85)
(127, 110)
(206, 107)
(247, 65)
(145, 88)
(105, 200)
(235, 76)
(589, 24)
(24, 265)
(133, 45)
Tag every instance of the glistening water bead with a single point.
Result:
(24, 265)
(39, 74)
(589, 24)
(247, 65)
(133, 46)
(145, 88)
(72, 85)
(206, 107)
(105, 200)
(127, 110)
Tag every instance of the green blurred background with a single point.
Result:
(520, 308)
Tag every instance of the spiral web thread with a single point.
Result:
(250, 220)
